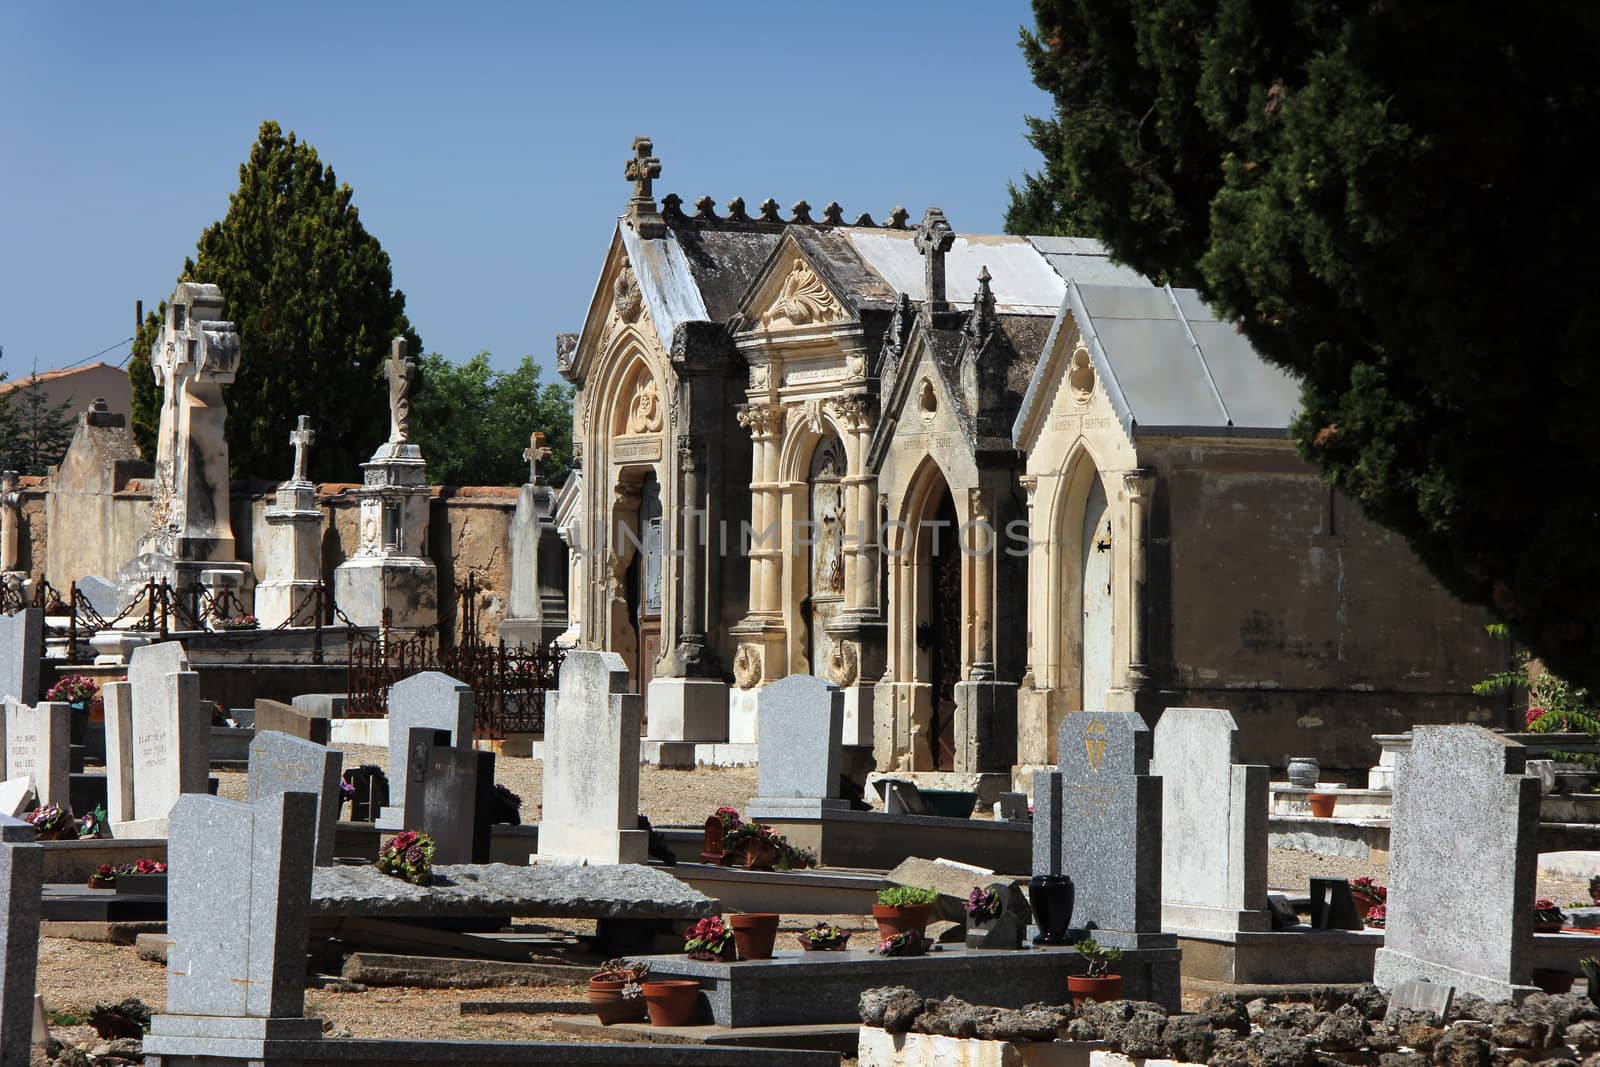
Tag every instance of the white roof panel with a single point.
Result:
(1019, 276)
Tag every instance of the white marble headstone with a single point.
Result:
(36, 744)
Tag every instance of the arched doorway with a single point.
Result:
(939, 632)
(644, 581)
(1095, 597)
(825, 596)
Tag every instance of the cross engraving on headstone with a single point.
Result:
(301, 438)
(402, 372)
(641, 170)
(536, 453)
(934, 238)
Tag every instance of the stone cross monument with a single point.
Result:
(294, 543)
(641, 170)
(390, 568)
(194, 356)
(537, 610)
(536, 453)
(934, 238)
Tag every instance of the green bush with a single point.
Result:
(906, 896)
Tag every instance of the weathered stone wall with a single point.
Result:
(1278, 600)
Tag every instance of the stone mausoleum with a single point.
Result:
(977, 481)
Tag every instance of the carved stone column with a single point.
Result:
(765, 422)
(981, 543)
(1137, 484)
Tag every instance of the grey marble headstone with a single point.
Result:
(441, 794)
(21, 886)
(1214, 825)
(21, 649)
(36, 743)
(170, 735)
(102, 596)
(1463, 844)
(117, 698)
(237, 904)
(432, 701)
(800, 727)
(1110, 826)
(1417, 994)
(591, 766)
(280, 763)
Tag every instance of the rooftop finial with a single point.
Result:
(641, 170)
(982, 323)
(934, 238)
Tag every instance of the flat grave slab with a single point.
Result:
(838, 1038)
(605, 891)
(808, 892)
(765, 992)
(339, 1052)
(872, 839)
(78, 903)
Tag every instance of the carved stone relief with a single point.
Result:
(644, 410)
(747, 666)
(802, 301)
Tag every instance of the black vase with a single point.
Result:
(1051, 896)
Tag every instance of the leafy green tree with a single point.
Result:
(312, 295)
(1393, 202)
(472, 422)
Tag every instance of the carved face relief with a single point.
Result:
(1080, 375)
(802, 301)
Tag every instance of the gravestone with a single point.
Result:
(288, 719)
(1463, 844)
(1418, 994)
(1104, 808)
(237, 910)
(117, 698)
(591, 766)
(288, 593)
(283, 764)
(36, 742)
(431, 701)
(371, 794)
(1333, 906)
(17, 797)
(102, 595)
(21, 649)
(21, 886)
(169, 737)
(1214, 825)
(445, 796)
(800, 727)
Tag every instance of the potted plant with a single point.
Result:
(81, 693)
(1369, 896)
(1547, 917)
(709, 939)
(903, 907)
(824, 937)
(754, 933)
(53, 822)
(905, 943)
(104, 877)
(616, 991)
(408, 855)
(673, 1001)
(1553, 981)
(1095, 983)
(1322, 804)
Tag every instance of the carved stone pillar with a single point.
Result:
(981, 542)
(765, 423)
(1137, 484)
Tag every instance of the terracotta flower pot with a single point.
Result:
(893, 921)
(1553, 982)
(672, 1002)
(1322, 804)
(754, 934)
(1084, 989)
(609, 1005)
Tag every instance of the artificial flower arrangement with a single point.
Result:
(346, 790)
(239, 622)
(631, 973)
(105, 876)
(824, 937)
(74, 689)
(983, 905)
(408, 855)
(1546, 914)
(708, 939)
(1377, 915)
(730, 818)
(93, 824)
(53, 822)
(906, 943)
(1368, 895)
(762, 846)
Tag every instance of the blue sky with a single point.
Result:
(485, 143)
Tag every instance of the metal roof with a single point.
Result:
(1085, 261)
(1021, 280)
(665, 280)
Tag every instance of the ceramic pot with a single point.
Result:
(609, 1005)
(716, 830)
(672, 1002)
(1052, 897)
(759, 856)
(893, 921)
(1553, 982)
(1322, 804)
(754, 934)
(1304, 771)
(1103, 989)
(1546, 928)
(844, 943)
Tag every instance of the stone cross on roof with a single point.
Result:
(934, 238)
(641, 170)
(301, 438)
(536, 453)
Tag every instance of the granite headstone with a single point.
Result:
(591, 766)
(442, 794)
(280, 763)
(1214, 825)
(1463, 848)
(36, 743)
(288, 719)
(169, 737)
(117, 698)
(431, 701)
(21, 649)
(800, 726)
(21, 886)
